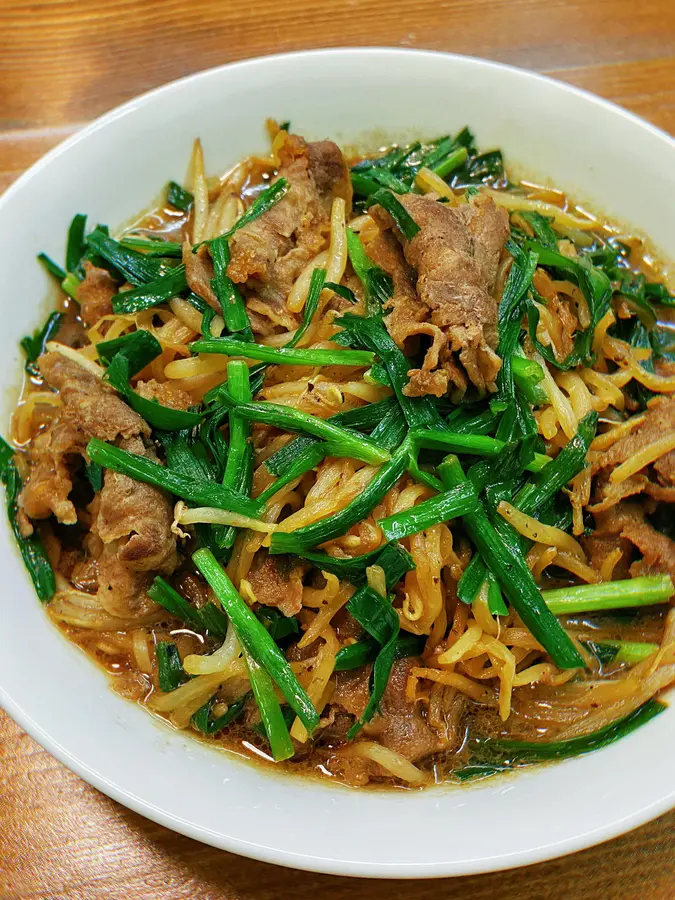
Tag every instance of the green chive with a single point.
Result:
(342, 442)
(160, 290)
(76, 245)
(178, 196)
(145, 470)
(512, 573)
(451, 162)
(51, 266)
(170, 670)
(31, 548)
(135, 267)
(310, 536)
(402, 218)
(262, 204)
(227, 292)
(156, 247)
(531, 751)
(316, 286)
(647, 590)
(475, 444)
(458, 501)
(289, 356)
(203, 722)
(207, 619)
(273, 721)
(255, 639)
(239, 465)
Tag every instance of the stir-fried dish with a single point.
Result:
(362, 466)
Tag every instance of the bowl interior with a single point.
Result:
(601, 156)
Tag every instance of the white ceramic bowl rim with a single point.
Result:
(114, 745)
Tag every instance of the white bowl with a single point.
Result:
(599, 153)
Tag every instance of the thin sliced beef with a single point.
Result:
(559, 309)
(398, 726)
(95, 294)
(659, 421)
(608, 495)
(199, 273)
(272, 250)
(52, 456)
(626, 522)
(352, 690)
(134, 524)
(165, 393)
(122, 591)
(131, 536)
(456, 254)
(90, 404)
(408, 320)
(91, 409)
(277, 581)
(601, 544)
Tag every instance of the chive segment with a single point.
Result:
(153, 247)
(239, 464)
(316, 284)
(134, 266)
(262, 204)
(512, 573)
(159, 290)
(626, 652)
(289, 356)
(378, 287)
(365, 650)
(273, 720)
(510, 316)
(51, 267)
(372, 333)
(647, 590)
(164, 417)
(76, 245)
(177, 196)
(353, 568)
(228, 294)
(342, 442)
(170, 672)
(34, 345)
(338, 523)
(143, 469)
(402, 218)
(451, 162)
(307, 459)
(537, 751)
(138, 348)
(458, 501)
(568, 463)
(474, 444)
(31, 548)
(255, 639)
(376, 614)
(209, 618)
(203, 721)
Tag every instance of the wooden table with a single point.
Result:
(62, 63)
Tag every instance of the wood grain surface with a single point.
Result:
(62, 62)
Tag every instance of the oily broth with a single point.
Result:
(112, 652)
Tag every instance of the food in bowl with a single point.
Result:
(359, 466)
